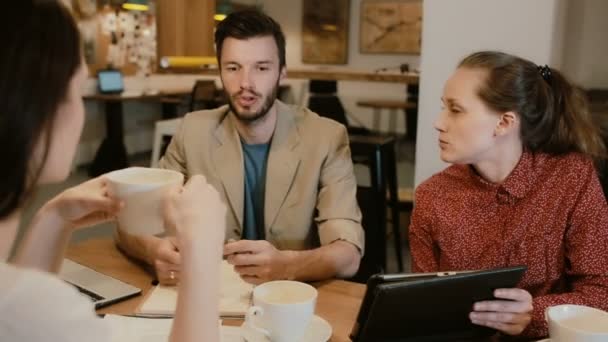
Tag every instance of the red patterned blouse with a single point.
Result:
(550, 214)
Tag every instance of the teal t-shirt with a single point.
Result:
(255, 157)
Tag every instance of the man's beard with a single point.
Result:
(253, 117)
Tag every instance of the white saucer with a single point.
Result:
(318, 331)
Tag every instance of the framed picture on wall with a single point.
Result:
(325, 31)
(390, 26)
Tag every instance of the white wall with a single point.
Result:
(453, 29)
(288, 13)
(586, 43)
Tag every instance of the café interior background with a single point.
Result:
(566, 34)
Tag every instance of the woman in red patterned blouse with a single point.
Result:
(522, 190)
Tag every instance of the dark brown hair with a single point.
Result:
(40, 54)
(554, 114)
(249, 24)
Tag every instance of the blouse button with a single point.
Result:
(502, 196)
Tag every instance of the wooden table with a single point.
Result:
(112, 153)
(338, 301)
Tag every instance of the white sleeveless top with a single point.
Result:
(37, 306)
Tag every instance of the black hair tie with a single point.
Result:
(545, 72)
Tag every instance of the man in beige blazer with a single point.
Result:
(309, 224)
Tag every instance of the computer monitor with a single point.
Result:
(110, 81)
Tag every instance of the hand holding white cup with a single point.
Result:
(142, 189)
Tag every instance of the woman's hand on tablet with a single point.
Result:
(510, 313)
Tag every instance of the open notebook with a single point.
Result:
(235, 297)
(134, 329)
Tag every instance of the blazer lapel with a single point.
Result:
(228, 161)
(283, 162)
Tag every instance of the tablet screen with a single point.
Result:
(428, 307)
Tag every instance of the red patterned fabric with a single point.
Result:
(550, 214)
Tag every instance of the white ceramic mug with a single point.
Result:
(578, 323)
(142, 190)
(282, 310)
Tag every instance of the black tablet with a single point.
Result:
(428, 306)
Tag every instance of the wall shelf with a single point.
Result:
(326, 74)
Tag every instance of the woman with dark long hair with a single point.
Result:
(41, 118)
(522, 190)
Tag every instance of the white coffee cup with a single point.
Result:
(577, 323)
(142, 190)
(282, 310)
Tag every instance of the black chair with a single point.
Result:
(602, 172)
(324, 100)
(373, 208)
(598, 104)
(205, 95)
(285, 94)
(602, 166)
(379, 152)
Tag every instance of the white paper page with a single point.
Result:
(135, 329)
(235, 296)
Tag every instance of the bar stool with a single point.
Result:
(374, 214)
(393, 106)
(323, 99)
(383, 174)
(405, 203)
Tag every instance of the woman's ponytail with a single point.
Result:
(554, 114)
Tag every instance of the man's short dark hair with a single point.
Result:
(247, 24)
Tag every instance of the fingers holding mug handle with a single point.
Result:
(255, 311)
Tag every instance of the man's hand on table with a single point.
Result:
(198, 229)
(166, 260)
(257, 261)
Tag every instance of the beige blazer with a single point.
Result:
(310, 184)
